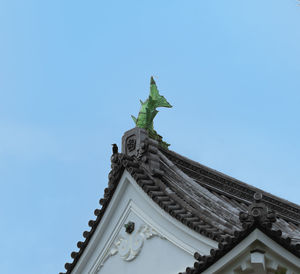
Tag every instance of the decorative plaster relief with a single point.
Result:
(130, 245)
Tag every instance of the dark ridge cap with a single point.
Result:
(279, 204)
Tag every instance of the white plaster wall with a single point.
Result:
(170, 251)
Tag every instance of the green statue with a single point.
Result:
(148, 112)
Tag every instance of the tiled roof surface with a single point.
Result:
(201, 198)
(224, 197)
(232, 188)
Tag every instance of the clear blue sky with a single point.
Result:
(72, 73)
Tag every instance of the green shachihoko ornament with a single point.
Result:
(148, 112)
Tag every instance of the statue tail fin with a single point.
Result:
(134, 119)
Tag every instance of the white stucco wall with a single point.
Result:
(158, 244)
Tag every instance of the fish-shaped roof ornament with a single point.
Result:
(148, 112)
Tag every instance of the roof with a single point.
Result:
(203, 199)
(259, 217)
